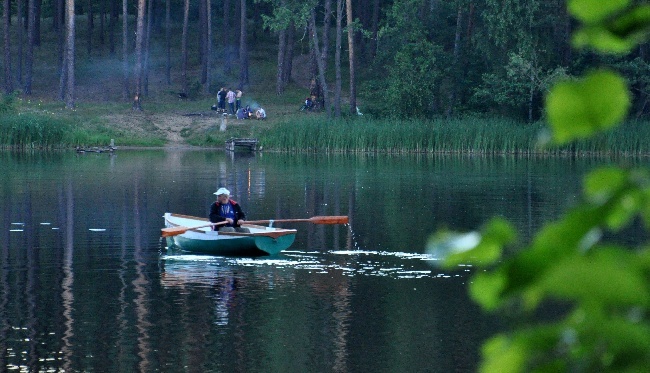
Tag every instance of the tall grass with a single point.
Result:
(31, 130)
(470, 135)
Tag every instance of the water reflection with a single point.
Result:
(67, 294)
(205, 270)
(86, 286)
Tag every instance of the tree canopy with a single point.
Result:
(414, 58)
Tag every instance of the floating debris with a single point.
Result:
(97, 229)
(46, 223)
(96, 149)
(15, 230)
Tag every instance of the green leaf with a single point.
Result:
(445, 244)
(599, 38)
(618, 35)
(502, 355)
(486, 289)
(592, 11)
(482, 248)
(623, 339)
(632, 25)
(645, 209)
(582, 108)
(600, 185)
(607, 277)
(625, 209)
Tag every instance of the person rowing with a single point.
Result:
(226, 209)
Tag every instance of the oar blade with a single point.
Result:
(173, 231)
(329, 220)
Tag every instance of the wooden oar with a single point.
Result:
(175, 231)
(315, 220)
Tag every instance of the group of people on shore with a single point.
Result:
(234, 99)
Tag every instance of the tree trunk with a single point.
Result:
(29, 60)
(243, 49)
(63, 76)
(353, 85)
(282, 43)
(61, 47)
(288, 56)
(21, 38)
(208, 50)
(125, 49)
(567, 54)
(184, 81)
(37, 22)
(56, 10)
(470, 21)
(313, 63)
(454, 67)
(227, 39)
(69, 55)
(147, 43)
(203, 23)
(111, 27)
(319, 61)
(327, 16)
(168, 26)
(89, 26)
(531, 96)
(102, 12)
(139, 43)
(6, 17)
(337, 58)
(374, 28)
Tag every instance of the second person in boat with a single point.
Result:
(226, 209)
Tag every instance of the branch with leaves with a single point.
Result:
(605, 282)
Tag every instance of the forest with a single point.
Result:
(400, 58)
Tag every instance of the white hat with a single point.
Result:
(222, 191)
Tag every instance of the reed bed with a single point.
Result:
(470, 135)
(28, 130)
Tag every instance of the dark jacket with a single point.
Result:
(215, 217)
(222, 95)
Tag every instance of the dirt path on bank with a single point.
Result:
(173, 127)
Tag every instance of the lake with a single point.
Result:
(87, 284)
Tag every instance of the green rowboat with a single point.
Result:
(260, 241)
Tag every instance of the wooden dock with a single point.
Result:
(250, 144)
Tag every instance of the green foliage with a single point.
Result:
(575, 260)
(412, 79)
(523, 75)
(508, 20)
(610, 26)
(606, 283)
(594, 11)
(524, 58)
(285, 12)
(582, 108)
(409, 65)
(8, 103)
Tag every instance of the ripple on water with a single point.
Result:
(396, 265)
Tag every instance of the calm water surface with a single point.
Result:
(86, 283)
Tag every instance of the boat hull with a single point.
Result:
(260, 241)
